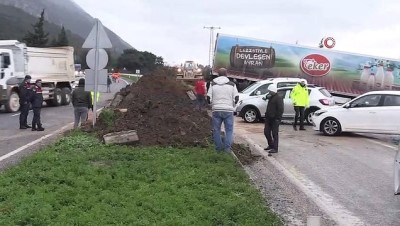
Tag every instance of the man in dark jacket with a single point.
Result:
(37, 101)
(273, 117)
(82, 101)
(25, 94)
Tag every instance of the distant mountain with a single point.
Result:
(68, 14)
(14, 24)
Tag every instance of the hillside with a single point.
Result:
(14, 24)
(66, 13)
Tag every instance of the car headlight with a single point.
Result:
(199, 70)
(318, 113)
(179, 70)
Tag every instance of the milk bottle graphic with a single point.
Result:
(371, 81)
(389, 79)
(379, 76)
(365, 76)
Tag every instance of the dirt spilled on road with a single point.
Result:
(161, 112)
(244, 154)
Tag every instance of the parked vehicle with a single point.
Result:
(342, 74)
(55, 66)
(372, 112)
(261, 87)
(252, 109)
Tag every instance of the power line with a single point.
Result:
(210, 52)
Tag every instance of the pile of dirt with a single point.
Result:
(161, 112)
(244, 154)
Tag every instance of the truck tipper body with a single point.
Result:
(54, 66)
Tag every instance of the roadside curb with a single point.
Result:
(325, 202)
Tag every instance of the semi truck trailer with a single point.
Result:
(343, 74)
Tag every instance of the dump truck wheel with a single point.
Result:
(12, 104)
(66, 96)
(57, 99)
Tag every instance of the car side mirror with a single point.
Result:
(258, 92)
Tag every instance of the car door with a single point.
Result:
(287, 103)
(361, 114)
(388, 115)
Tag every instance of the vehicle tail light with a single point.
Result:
(324, 101)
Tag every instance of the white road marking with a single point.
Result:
(125, 81)
(326, 202)
(382, 144)
(38, 140)
(33, 143)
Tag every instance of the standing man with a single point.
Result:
(300, 100)
(82, 101)
(273, 117)
(109, 81)
(25, 94)
(200, 90)
(37, 101)
(223, 96)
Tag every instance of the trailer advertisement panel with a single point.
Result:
(340, 72)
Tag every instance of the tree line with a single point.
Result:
(130, 60)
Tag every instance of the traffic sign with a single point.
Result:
(99, 33)
(96, 59)
(90, 80)
(91, 59)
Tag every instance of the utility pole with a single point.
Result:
(210, 52)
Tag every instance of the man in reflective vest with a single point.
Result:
(300, 100)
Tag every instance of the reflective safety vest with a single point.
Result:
(97, 98)
(300, 96)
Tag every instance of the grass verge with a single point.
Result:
(79, 181)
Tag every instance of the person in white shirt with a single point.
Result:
(223, 96)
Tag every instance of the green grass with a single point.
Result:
(108, 116)
(79, 181)
(132, 79)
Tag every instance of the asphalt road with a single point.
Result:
(350, 176)
(53, 118)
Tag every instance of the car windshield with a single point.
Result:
(325, 92)
(250, 88)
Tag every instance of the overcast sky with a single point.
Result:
(174, 30)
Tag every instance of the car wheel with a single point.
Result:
(308, 115)
(250, 115)
(331, 127)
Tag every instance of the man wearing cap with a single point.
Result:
(273, 116)
(82, 101)
(300, 100)
(25, 94)
(223, 96)
(37, 101)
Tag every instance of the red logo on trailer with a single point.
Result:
(315, 65)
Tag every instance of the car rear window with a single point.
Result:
(325, 92)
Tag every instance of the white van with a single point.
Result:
(261, 87)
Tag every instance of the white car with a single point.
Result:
(261, 87)
(372, 112)
(253, 109)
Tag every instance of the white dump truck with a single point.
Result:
(55, 66)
